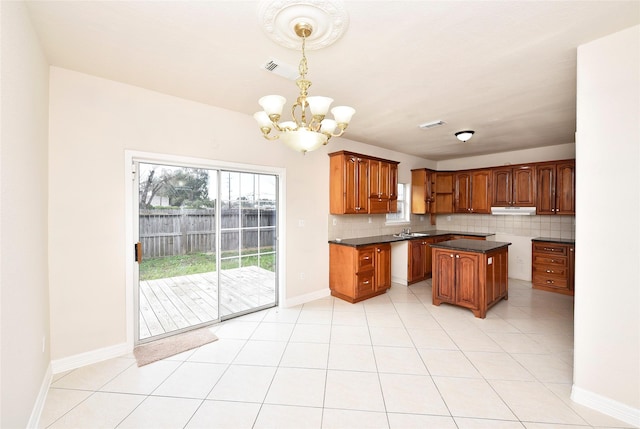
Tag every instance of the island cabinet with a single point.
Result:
(556, 188)
(358, 273)
(552, 265)
(362, 184)
(472, 191)
(513, 186)
(422, 191)
(470, 273)
(420, 255)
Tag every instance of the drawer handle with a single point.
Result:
(549, 271)
(366, 283)
(366, 258)
(551, 249)
(550, 281)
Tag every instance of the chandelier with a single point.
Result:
(308, 128)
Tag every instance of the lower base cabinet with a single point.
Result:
(358, 273)
(552, 267)
(472, 280)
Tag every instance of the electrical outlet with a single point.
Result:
(370, 221)
(301, 223)
(335, 221)
(421, 218)
(449, 218)
(302, 276)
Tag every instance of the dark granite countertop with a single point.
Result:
(555, 240)
(465, 245)
(378, 239)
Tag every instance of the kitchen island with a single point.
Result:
(470, 273)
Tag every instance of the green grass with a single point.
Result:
(172, 266)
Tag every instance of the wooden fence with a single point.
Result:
(170, 232)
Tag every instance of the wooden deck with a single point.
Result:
(174, 303)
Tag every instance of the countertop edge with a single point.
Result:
(383, 239)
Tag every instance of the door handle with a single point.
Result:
(138, 252)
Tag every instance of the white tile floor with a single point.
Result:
(394, 361)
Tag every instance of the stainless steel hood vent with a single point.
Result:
(518, 211)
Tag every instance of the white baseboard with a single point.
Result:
(88, 358)
(606, 406)
(399, 280)
(36, 412)
(301, 299)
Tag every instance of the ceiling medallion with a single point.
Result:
(278, 18)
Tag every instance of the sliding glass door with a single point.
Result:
(207, 246)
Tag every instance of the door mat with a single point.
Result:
(170, 346)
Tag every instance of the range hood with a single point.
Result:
(521, 211)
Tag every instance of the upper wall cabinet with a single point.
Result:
(556, 185)
(444, 192)
(472, 190)
(422, 191)
(362, 184)
(514, 186)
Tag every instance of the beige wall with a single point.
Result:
(24, 296)
(93, 122)
(607, 303)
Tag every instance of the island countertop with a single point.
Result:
(555, 240)
(390, 238)
(465, 245)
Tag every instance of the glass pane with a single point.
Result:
(177, 229)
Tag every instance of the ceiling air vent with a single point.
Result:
(432, 124)
(281, 69)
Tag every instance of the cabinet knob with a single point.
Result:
(458, 256)
(451, 256)
(378, 249)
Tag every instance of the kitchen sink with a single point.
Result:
(411, 234)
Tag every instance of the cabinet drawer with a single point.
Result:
(378, 205)
(551, 270)
(365, 259)
(549, 260)
(364, 283)
(549, 281)
(549, 248)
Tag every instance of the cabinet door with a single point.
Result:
(355, 185)
(462, 203)
(565, 188)
(393, 188)
(420, 191)
(480, 191)
(466, 280)
(383, 267)
(444, 276)
(426, 257)
(545, 188)
(416, 258)
(524, 186)
(374, 179)
(501, 195)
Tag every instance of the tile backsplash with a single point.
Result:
(554, 226)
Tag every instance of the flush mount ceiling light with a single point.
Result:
(308, 128)
(463, 136)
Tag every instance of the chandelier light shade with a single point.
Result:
(309, 128)
(463, 136)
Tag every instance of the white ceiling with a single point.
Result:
(506, 69)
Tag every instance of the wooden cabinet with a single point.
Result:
(444, 192)
(472, 191)
(359, 273)
(422, 191)
(556, 184)
(419, 260)
(472, 280)
(513, 186)
(360, 184)
(552, 267)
